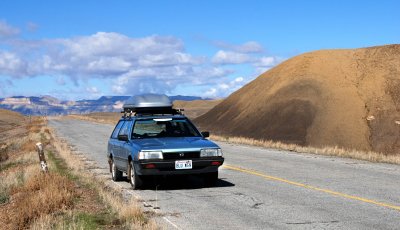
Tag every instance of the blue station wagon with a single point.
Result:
(154, 139)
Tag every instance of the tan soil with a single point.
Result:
(346, 98)
(196, 108)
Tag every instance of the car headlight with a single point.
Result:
(211, 153)
(145, 155)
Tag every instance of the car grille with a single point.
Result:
(181, 155)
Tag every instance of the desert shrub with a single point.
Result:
(4, 193)
(3, 152)
(40, 195)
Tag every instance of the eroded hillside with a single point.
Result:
(345, 98)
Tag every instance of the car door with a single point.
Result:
(121, 160)
(126, 149)
(113, 141)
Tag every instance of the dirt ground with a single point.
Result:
(345, 98)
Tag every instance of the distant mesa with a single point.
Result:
(16, 101)
(345, 98)
(47, 105)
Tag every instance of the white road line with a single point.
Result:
(171, 223)
(147, 205)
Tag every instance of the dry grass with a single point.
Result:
(40, 195)
(57, 200)
(26, 192)
(3, 152)
(74, 161)
(129, 213)
(10, 120)
(327, 151)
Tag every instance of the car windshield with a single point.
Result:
(164, 127)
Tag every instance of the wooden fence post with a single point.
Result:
(42, 159)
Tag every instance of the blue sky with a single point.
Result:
(86, 49)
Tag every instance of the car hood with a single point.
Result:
(170, 144)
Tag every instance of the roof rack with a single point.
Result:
(149, 104)
(129, 113)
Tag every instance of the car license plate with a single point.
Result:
(186, 164)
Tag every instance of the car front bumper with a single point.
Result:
(167, 167)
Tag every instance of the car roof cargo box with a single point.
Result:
(149, 104)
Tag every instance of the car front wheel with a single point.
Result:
(135, 180)
(115, 173)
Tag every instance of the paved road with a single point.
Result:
(263, 188)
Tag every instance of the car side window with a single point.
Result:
(125, 128)
(116, 130)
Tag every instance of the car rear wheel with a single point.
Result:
(115, 173)
(211, 179)
(135, 180)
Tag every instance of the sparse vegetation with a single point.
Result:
(3, 152)
(59, 199)
(40, 195)
(4, 193)
(128, 213)
(328, 151)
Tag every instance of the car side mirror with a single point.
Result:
(205, 134)
(123, 137)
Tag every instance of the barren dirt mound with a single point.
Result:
(196, 108)
(9, 119)
(345, 98)
(12, 125)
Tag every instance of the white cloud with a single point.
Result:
(7, 31)
(168, 59)
(101, 55)
(108, 65)
(247, 53)
(229, 57)
(265, 63)
(92, 90)
(225, 88)
(211, 93)
(248, 47)
(158, 64)
(166, 79)
(11, 64)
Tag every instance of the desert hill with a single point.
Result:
(11, 126)
(10, 119)
(346, 98)
(196, 108)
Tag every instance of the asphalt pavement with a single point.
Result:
(260, 188)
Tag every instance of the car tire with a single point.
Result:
(115, 173)
(211, 179)
(135, 180)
